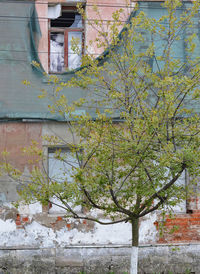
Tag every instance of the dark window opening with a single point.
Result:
(67, 20)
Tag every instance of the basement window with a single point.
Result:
(66, 27)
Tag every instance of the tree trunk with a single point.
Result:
(134, 248)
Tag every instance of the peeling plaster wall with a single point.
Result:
(40, 226)
(29, 226)
(37, 228)
(36, 240)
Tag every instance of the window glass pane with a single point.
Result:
(57, 52)
(74, 58)
(61, 170)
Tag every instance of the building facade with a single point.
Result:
(36, 238)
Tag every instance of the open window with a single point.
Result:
(66, 27)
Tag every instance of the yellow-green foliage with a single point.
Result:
(129, 166)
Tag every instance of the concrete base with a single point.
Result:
(100, 260)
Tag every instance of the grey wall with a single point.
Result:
(100, 260)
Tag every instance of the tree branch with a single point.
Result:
(165, 187)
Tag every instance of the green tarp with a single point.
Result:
(19, 36)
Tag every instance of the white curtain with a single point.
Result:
(74, 58)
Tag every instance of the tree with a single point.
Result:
(141, 130)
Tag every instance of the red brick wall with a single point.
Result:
(182, 228)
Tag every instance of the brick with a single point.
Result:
(25, 219)
(59, 218)
(197, 215)
(188, 228)
(18, 222)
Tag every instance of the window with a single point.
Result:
(62, 30)
(61, 163)
(60, 168)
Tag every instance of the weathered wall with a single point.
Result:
(36, 227)
(185, 228)
(14, 136)
(29, 226)
(100, 260)
(39, 226)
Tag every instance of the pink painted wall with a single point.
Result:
(105, 12)
(42, 10)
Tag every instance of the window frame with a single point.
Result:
(64, 30)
